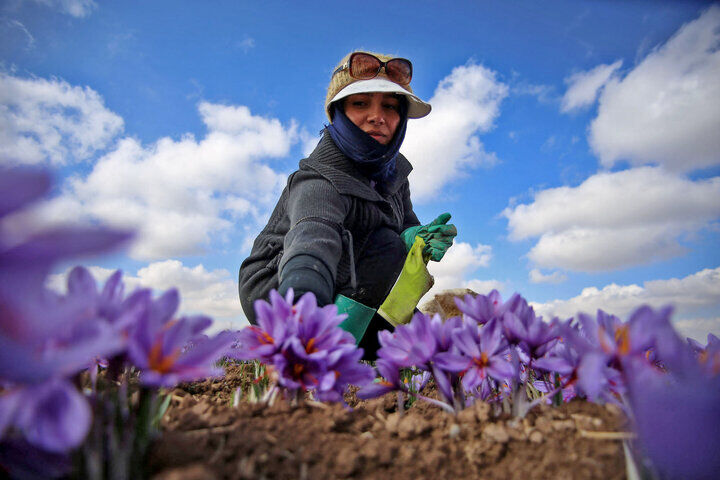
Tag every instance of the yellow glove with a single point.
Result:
(413, 282)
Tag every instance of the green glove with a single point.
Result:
(438, 237)
(358, 316)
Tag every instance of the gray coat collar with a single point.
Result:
(332, 164)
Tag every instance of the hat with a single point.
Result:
(343, 85)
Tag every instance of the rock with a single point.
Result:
(535, 436)
(444, 303)
(393, 422)
(586, 422)
(496, 433)
(411, 427)
(543, 425)
(347, 462)
(454, 431)
(563, 425)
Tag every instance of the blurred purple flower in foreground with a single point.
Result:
(157, 345)
(46, 337)
(606, 345)
(677, 414)
(52, 415)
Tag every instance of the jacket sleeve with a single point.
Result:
(409, 217)
(313, 245)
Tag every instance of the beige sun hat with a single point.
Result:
(343, 85)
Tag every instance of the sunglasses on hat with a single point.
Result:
(364, 66)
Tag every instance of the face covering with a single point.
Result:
(375, 160)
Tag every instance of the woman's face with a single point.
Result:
(377, 114)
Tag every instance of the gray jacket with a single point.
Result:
(327, 210)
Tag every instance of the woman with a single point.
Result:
(344, 222)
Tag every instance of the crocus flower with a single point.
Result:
(344, 369)
(481, 308)
(156, 345)
(413, 344)
(481, 355)
(43, 334)
(296, 371)
(53, 415)
(388, 381)
(677, 417)
(709, 355)
(605, 344)
(37, 325)
(534, 336)
(305, 345)
(317, 328)
(275, 323)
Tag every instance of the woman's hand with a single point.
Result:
(437, 235)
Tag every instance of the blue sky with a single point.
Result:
(575, 143)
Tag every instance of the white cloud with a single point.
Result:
(536, 276)
(583, 87)
(667, 109)
(9, 35)
(696, 299)
(698, 328)
(445, 144)
(75, 8)
(246, 44)
(459, 262)
(614, 220)
(213, 293)
(182, 194)
(50, 121)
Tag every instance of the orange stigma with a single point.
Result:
(160, 363)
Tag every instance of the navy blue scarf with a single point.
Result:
(375, 160)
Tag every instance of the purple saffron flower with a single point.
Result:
(344, 369)
(43, 334)
(560, 358)
(21, 187)
(481, 355)
(677, 418)
(318, 327)
(276, 321)
(305, 345)
(389, 381)
(296, 371)
(568, 392)
(53, 415)
(156, 345)
(413, 344)
(709, 356)
(481, 308)
(605, 345)
(534, 336)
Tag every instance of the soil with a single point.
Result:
(204, 437)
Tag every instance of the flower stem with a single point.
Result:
(439, 403)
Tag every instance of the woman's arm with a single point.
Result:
(313, 245)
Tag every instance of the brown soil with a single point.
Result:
(204, 437)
